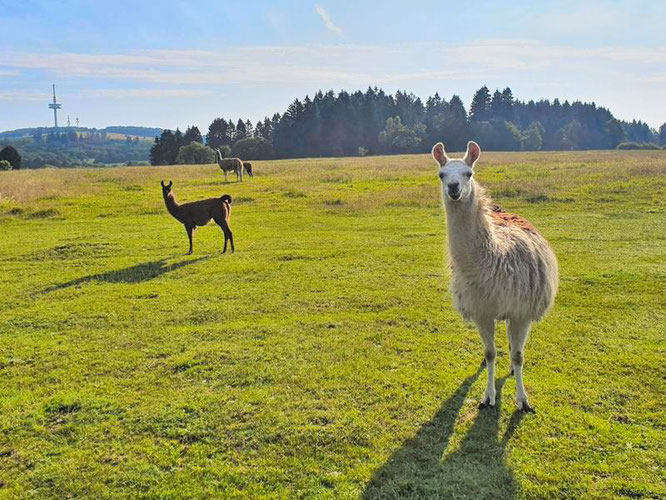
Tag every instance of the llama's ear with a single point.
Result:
(162, 182)
(170, 183)
(472, 154)
(439, 154)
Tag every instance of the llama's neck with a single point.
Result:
(172, 205)
(467, 228)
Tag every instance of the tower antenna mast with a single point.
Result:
(55, 107)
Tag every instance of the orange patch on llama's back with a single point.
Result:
(502, 218)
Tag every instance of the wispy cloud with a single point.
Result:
(146, 93)
(9, 72)
(331, 65)
(23, 95)
(328, 22)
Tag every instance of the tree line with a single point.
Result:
(374, 122)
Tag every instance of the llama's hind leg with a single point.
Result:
(486, 328)
(228, 235)
(518, 329)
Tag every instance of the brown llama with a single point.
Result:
(502, 268)
(199, 213)
(229, 165)
(248, 168)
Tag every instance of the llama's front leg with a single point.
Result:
(189, 230)
(518, 329)
(486, 328)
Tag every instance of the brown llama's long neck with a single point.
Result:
(172, 205)
(467, 228)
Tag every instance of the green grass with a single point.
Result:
(324, 359)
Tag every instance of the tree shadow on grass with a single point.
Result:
(134, 274)
(477, 469)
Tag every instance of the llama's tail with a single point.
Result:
(226, 198)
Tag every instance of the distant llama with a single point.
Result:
(502, 268)
(229, 165)
(248, 168)
(199, 213)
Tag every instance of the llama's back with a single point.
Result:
(200, 212)
(230, 163)
(515, 275)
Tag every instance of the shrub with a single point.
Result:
(10, 154)
(225, 150)
(397, 138)
(194, 153)
(5, 165)
(253, 148)
(637, 145)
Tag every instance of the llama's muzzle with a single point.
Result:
(453, 190)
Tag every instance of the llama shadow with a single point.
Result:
(134, 274)
(477, 469)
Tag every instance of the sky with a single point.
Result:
(178, 63)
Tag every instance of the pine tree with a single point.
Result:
(192, 134)
(480, 107)
(249, 128)
(507, 104)
(497, 105)
(662, 135)
(241, 130)
(218, 134)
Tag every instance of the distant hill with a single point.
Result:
(79, 146)
(115, 132)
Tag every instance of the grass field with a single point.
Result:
(323, 359)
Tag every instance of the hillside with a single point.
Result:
(80, 147)
(147, 132)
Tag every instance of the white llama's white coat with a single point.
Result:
(502, 268)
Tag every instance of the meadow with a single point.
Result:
(323, 359)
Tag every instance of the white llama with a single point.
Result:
(502, 268)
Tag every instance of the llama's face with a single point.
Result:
(166, 188)
(456, 175)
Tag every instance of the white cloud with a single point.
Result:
(338, 64)
(9, 72)
(328, 22)
(145, 93)
(23, 95)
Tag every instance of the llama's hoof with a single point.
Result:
(486, 404)
(483, 363)
(526, 408)
(512, 372)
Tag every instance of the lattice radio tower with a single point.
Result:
(55, 107)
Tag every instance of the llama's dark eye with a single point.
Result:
(468, 174)
(441, 175)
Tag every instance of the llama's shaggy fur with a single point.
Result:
(502, 268)
(199, 213)
(230, 165)
(248, 168)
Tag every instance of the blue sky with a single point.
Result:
(175, 63)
